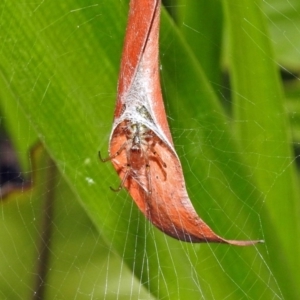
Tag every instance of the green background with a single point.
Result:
(59, 70)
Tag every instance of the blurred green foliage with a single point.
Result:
(59, 67)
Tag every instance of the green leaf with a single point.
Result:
(79, 257)
(201, 25)
(59, 66)
(283, 23)
(264, 133)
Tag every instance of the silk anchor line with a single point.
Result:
(141, 147)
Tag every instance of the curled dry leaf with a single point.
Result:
(141, 146)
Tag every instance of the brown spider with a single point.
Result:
(140, 140)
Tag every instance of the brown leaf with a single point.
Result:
(141, 146)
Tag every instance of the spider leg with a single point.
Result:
(114, 155)
(128, 167)
(148, 175)
(148, 190)
(119, 188)
(157, 155)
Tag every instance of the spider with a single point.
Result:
(140, 140)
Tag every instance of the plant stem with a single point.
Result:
(45, 234)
